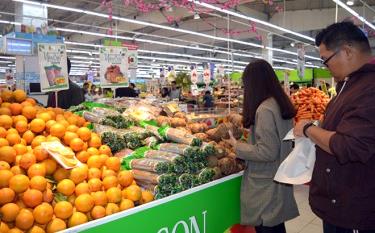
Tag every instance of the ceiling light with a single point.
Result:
(351, 11)
(196, 16)
(350, 2)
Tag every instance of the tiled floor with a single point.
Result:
(307, 222)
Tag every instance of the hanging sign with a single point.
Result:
(132, 55)
(194, 76)
(207, 76)
(53, 67)
(194, 90)
(114, 67)
(300, 60)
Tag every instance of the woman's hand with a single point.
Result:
(232, 141)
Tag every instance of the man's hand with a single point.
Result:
(298, 128)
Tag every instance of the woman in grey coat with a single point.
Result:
(268, 113)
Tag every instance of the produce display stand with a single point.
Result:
(210, 208)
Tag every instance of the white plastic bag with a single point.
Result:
(297, 168)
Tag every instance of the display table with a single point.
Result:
(209, 208)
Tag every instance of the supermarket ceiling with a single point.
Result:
(215, 28)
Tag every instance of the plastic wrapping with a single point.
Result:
(193, 154)
(163, 180)
(105, 111)
(151, 165)
(91, 117)
(179, 136)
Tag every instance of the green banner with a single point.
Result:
(209, 208)
(293, 75)
(322, 73)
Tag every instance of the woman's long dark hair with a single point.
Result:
(260, 83)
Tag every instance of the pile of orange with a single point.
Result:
(34, 203)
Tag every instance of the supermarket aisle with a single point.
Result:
(307, 222)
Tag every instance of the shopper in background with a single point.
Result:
(294, 88)
(268, 112)
(164, 92)
(86, 91)
(136, 91)
(208, 100)
(126, 91)
(175, 92)
(67, 98)
(342, 191)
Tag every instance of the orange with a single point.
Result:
(45, 116)
(126, 204)
(111, 208)
(72, 198)
(125, 178)
(72, 128)
(3, 132)
(3, 142)
(94, 161)
(24, 219)
(72, 120)
(60, 117)
(21, 126)
(95, 141)
(84, 202)
(7, 154)
(15, 230)
(32, 197)
(57, 130)
(37, 125)
(37, 169)
(48, 195)
(17, 170)
(49, 124)
(36, 229)
(38, 183)
(66, 187)
(40, 153)
(50, 165)
(76, 144)
(43, 213)
(25, 103)
(63, 209)
(15, 109)
(20, 149)
(147, 197)
(51, 138)
(103, 158)
(4, 227)
(67, 114)
(27, 160)
(9, 212)
(94, 173)
(104, 149)
(19, 118)
(56, 225)
(29, 112)
(83, 156)
(113, 163)
(84, 133)
(61, 174)
(98, 212)
(64, 123)
(95, 185)
(78, 174)
(12, 131)
(82, 188)
(19, 95)
(107, 172)
(81, 121)
(5, 111)
(77, 218)
(7, 96)
(68, 137)
(31, 101)
(93, 151)
(114, 195)
(13, 139)
(28, 136)
(109, 182)
(38, 140)
(100, 198)
(7, 195)
(6, 121)
(4, 165)
(133, 193)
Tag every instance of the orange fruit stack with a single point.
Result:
(34, 203)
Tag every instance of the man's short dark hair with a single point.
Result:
(294, 86)
(339, 34)
(173, 82)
